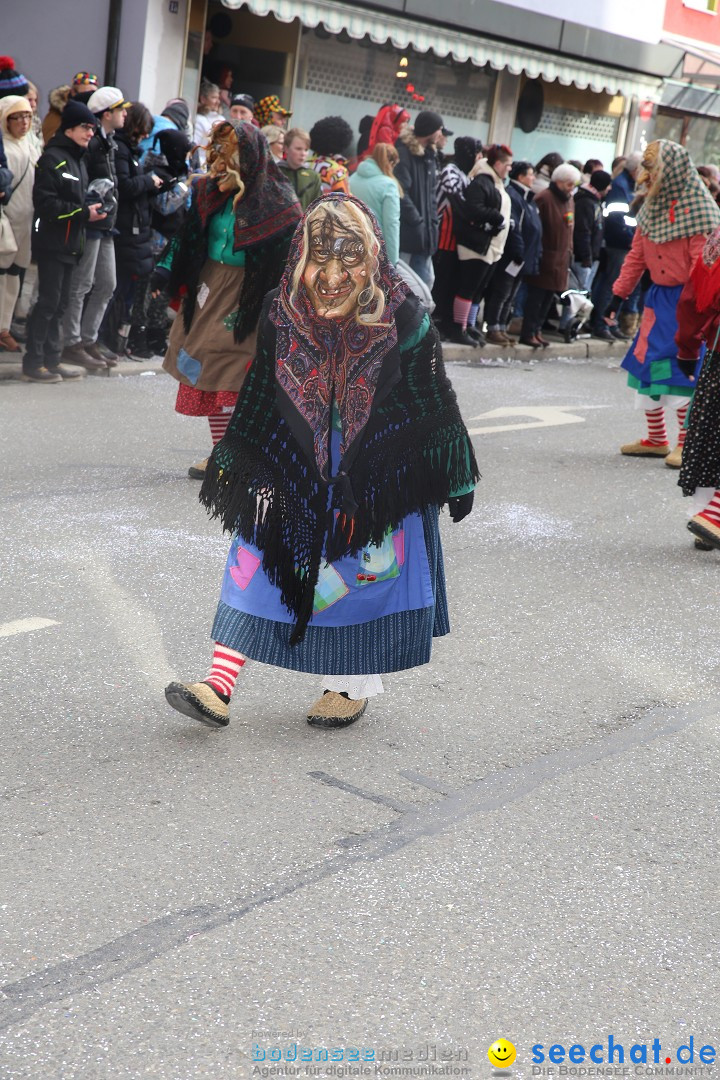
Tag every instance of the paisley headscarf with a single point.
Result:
(269, 205)
(682, 205)
(319, 361)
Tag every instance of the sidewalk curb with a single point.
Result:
(484, 356)
(12, 369)
(587, 349)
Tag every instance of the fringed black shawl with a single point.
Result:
(262, 480)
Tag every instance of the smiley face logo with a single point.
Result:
(501, 1054)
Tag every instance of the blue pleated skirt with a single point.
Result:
(371, 617)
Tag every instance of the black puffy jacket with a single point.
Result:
(133, 242)
(100, 161)
(416, 171)
(589, 227)
(476, 214)
(60, 213)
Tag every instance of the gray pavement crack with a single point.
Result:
(140, 947)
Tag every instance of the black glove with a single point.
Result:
(613, 307)
(460, 505)
(159, 279)
(688, 368)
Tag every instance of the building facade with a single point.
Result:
(523, 72)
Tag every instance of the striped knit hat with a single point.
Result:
(11, 81)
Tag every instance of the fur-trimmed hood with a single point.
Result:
(58, 97)
(412, 143)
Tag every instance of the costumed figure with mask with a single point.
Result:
(698, 316)
(230, 252)
(345, 442)
(672, 227)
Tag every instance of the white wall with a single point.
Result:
(164, 54)
(639, 19)
(52, 39)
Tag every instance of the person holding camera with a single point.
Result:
(61, 215)
(93, 282)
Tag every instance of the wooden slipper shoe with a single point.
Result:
(198, 701)
(335, 710)
(705, 529)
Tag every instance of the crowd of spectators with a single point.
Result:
(95, 192)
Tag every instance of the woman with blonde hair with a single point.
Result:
(276, 140)
(22, 154)
(376, 185)
(208, 115)
(345, 442)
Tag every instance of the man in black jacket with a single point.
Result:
(416, 172)
(95, 273)
(58, 238)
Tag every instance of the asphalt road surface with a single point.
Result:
(517, 841)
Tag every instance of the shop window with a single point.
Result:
(244, 53)
(578, 124)
(703, 140)
(338, 75)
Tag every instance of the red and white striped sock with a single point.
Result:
(218, 426)
(226, 664)
(657, 435)
(681, 414)
(461, 311)
(712, 510)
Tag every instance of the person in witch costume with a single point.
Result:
(672, 226)
(698, 314)
(345, 442)
(231, 251)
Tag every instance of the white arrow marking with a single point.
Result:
(544, 416)
(25, 626)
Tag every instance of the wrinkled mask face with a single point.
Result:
(650, 164)
(337, 271)
(223, 158)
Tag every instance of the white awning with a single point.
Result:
(518, 59)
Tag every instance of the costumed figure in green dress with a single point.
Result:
(231, 251)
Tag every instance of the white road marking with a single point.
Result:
(134, 625)
(25, 626)
(542, 416)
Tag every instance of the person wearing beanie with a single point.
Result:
(452, 181)
(177, 111)
(416, 173)
(619, 226)
(11, 81)
(61, 213)
(242, 108)
(94, 280)
(556, 207)
(174, 117)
